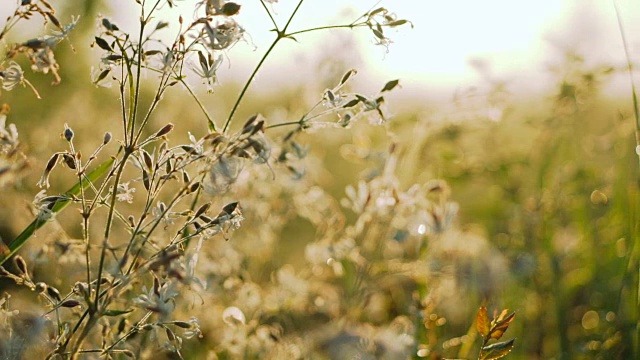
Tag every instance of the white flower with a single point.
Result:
(11, 76)
(193, 330)
(8, 136)
(124, 193)
(162, 301)
(224, 34)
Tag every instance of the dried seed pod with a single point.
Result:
(69, 161)
(122, 325)
(170, 335)
(230, 208)
(165, 130)
(230, 9)
(108, 25)
(128, 353)
(247, 127)
(82, 289)
(51, 163)
(41, 287)
(146, 181)
(70, 303)
(168, 167)
(182, 324)
(156, 286)
(202, 209)
(194, 187)
(189, 149)
(54, 293)
(21, 264)
(148, 161)
(205, 218)
(54, 20)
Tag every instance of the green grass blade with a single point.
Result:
(21, 239)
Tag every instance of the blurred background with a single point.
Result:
(523, 107)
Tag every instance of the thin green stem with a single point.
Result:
(211, 123)
(170, 206)
(131, 331)
(636, 108)
(110, 216)
(280, 35)
(136, 101)
(350, 26)
(269, 13)
(283, 124)
(293, 14)
(633, 255)
(249, 81)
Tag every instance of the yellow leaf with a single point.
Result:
(482, 322)
(501, 325)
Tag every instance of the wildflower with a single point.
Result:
(44, 179)
(224, 34)
(40, 51)
(43, 60)
(8, 136)
(168, 60)
(211, 6)
(196, 145)
(357, 199)
(219, 7)
(159, 211)
(159, 300)
(333, 100)
(193, 330)
(11, 76)
(208, 70)
(223, 174)
(124, 193)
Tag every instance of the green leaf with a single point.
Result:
(377, 11)
(116, 312)
(396, 23)
(496, 351)
(291, 38)
(19, 241)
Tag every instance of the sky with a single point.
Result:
(453, 43)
